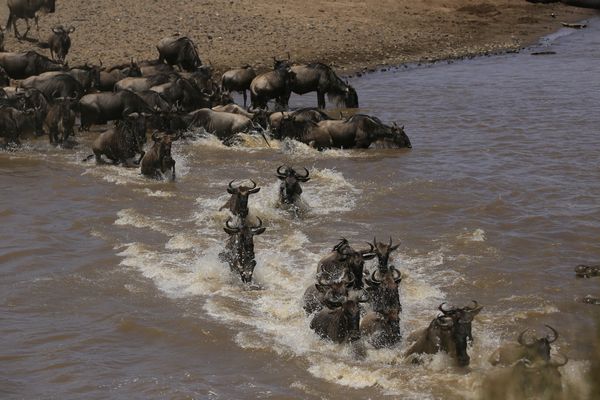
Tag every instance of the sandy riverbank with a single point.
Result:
(350, 35)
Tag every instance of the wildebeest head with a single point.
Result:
(243, 257)
(334, 285)
(348, 323)
(538, 348)
(345, 257)
(399, 137)
(383, 252)
(134, 125)
(61, 42)
(290, 190)
(454, 327)
(238, 203)
(383, 284)
(164, 143)
(133, 70)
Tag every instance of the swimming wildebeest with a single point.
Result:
(587, 271)
(26, 64)
(320, 78)
(158, 159)
(60, 42)
(449, 332)
(122, 142)
(342, 323)
(60, 119)
(382, 329)
(239, 250)
(274, 84)
(180, 51)
(260, 117)
(99, 108)
(525, 380)
(344, 257)
(289, 189)
(327, 286)
(531, 349)
(14, 123)
(108, 78)
(238, 202)
(238, 80)
(221, 124)
(360, 130)
(26, 9)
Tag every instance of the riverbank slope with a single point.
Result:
(351, 35)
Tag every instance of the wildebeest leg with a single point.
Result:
(37, 26)
(13, 19)
(320, 99)
(28, 29)
(140, 159)
(245, 97)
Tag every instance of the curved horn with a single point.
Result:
(555, 334)
(253, 184)
(441, 308)
(230, 188)
(259, 223)
(475, 305)
(305, 175)
(390, 242)
(350, 277)
(396, 275)
(373, 279)
(229, 226)
(279, 173)
(522, 340)
(444, 321)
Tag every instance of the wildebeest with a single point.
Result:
(2, 30)
(99, 108)
(238, 80)
(301, 116)
(238, 202)
(108, 78)
(87, 75)
(382, 329)
(26, 64)
(60, 119)
(383, 288)
(141, 83)
(289, 189)
(327, 286)
(14, 123)
(449, 332)
(221, 124)
(4, 79)
(26, 9)
(587, 271)
(533, 350)
(184, 93)
(158, 159)
(320, 78)
(274, 84)
(122, 142)
(305, 131)
(260, 117)
(360, 130)
(153, 67)
(525, 380)
(55, 84)
(179, 50)
(342, 323)
(344, 257)
(239, 250)
(60, 42)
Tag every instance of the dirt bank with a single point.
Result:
(351, 35)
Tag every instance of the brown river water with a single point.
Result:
(111, 286)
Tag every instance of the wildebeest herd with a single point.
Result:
(176, 93)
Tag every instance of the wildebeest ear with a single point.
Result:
(57, 30)
(393, 248)
(71, 29)
(369, 256)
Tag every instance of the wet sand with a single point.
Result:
(350, 35)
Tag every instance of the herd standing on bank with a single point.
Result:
(349, 301)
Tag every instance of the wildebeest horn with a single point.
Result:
(227, 224)
(474, 307)
(371, 248)
(349, 277)
(254, 189)
(279, 173)
(522, 340)
(554, 336)
(259, 223)
(444, 311)
(444, 321)
(303, 178)
(230, 188)
(343, 241)
(373, 279)
(396, 275)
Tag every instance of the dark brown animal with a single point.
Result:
(449, 332)
(60, 120)
(238, 80)
(533, 350)
(14, 123)
(382, 329)
(342, 323)
(289, 189)
(158, 160)
(99, 108)
(239, 250)
(60, 43)
(123, 142)
(320, 78)
(238, 202)
(108, 78)
(26, 64)
(275, 84)
(587, 271)
(26, 9)
(360, 131)
(327, 286)
(180, 51)
(344, 257)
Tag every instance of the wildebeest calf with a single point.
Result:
(158, 159)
